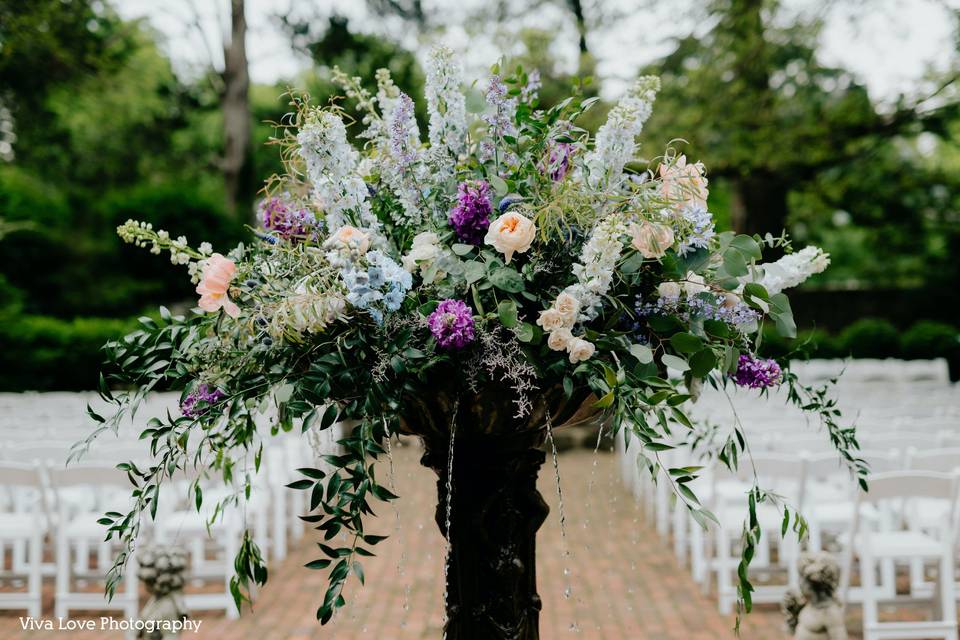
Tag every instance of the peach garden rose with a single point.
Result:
(511, 233)
(214, 284)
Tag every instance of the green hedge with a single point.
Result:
(873, 338)
(44, 353)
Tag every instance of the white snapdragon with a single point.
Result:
(616, 139)
(598, 260)
(447, 108)
(792, 269)
(332, 169)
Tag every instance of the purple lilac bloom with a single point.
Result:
(558, 160)
(287, 220)
(199, 401)
(471, 216)
(757, 373)
(499, 121)
(452, 324)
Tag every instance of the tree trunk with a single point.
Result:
(576, 6)
(237, 153)
(759, 204)
(496, 512)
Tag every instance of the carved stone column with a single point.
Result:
(496, 512)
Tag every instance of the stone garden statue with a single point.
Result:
(161, 569)
(815, 613)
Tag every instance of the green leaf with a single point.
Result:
(526, 332)
(605, 401)
(473, 271)
(678, 364)
(686, 342)
(462, 249)
(498, 184)
(703, 362)
(641, 352)
(318, 564)
(734, 264)
(507, 279)
(747, 246)
(507, 311)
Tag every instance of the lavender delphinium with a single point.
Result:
(452, 324)
(757, 373)
(199, 401)
(286, 220)
(470, 218)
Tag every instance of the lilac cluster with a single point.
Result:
(704, 307)
(699, 236)
(403, 132)
(452, 324)
(530, 90)
(557, 162)
(499, 120)
(282, 217)
(757, 373)
(198, 402)
(470, 218)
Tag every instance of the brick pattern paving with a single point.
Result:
(623, 581)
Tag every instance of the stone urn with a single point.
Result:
(161, 569)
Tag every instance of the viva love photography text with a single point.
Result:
(107, 623)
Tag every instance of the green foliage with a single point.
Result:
(44, 353)
(871, 338)
(928, 339)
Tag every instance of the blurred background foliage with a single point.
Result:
(96, 127)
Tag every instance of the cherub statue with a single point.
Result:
(815, 613)
(161, 569)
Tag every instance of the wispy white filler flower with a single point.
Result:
(446, 105)
(332, 169)
(792, 269)
(616, 139)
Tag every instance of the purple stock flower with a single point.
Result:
(757, 373)
(452, 324)
(281, 216)
(199, 401)
(471, 215)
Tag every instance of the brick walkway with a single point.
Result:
(623, 580)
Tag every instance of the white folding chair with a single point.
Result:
(24, 523)
(888, 492)
(77, 530)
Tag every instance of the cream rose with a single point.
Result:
(694, 284)
(352, 237)
(559, 339)
(551, 320)
(511, 233)
(651, 239)
(568, 306)
(684, 183)
(580, 350)
(669, 290)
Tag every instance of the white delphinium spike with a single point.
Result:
(792, 269)
(447, 108)
(616, 139)
(332, 169)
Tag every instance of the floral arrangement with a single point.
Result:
(515, 248)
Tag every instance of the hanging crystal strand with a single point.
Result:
(397, 529)
(564, 545)
(448, 518)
